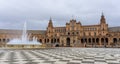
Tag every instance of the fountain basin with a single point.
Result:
(19, 44)
(24, 42)
(24, 46)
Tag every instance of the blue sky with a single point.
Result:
(13, 13)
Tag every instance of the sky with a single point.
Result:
(13, 13)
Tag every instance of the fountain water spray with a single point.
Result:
(25, 38)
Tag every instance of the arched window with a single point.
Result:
(45, 40)
(106, 40)
(97, 40)
(0, 40)
(89, 40)
(51, 40)
(68, 33)
(57, 40)
(94, 33)
(54, 40)
(81, 40)
(73, 33)
(119, 39)
(8, 40)
(3, 40)
(102, 40)
(93, 39)
(77, 32)
(40, 40)
(85, 40)
(114, 40)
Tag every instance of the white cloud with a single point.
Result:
(13, 13)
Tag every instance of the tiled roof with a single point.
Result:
(11, 31)
(114, 29)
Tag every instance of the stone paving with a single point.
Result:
(61, 56)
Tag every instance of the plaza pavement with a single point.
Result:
(61, 56)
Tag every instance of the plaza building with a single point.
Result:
(73, 34)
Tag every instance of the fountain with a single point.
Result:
(24, 42)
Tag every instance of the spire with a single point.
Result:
(50, 23)
(102, 20)
(73, 19)
(102, 14)
(50, 19)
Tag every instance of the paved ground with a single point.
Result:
(61, 56)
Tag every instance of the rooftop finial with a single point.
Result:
(73, 17)
(102, 14)
(50, 18)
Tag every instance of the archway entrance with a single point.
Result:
(114, 41)
(57, 45)
(68, 42)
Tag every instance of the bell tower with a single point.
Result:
(102, 20)
(50, 28)
(103, 25)
(50, 24)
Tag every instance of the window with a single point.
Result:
(68, 33)
(94, 33)
(103, 28)
(77, 32)
(3, 40)
(8, 40)
(73, 33)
